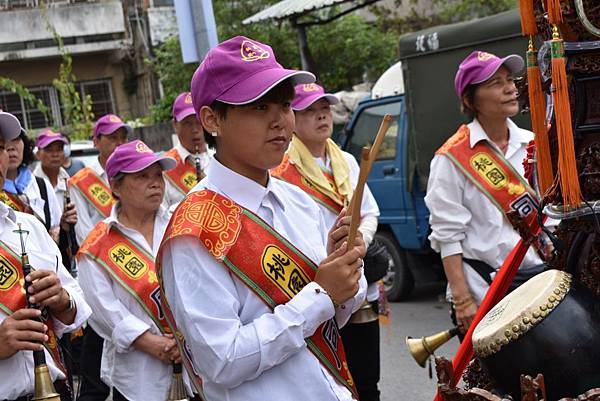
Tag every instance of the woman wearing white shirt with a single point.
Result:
(467, 227)
(21, 182)
(137, 356)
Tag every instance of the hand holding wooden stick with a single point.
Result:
(368, 156)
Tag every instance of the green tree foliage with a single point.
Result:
(175, 76)
(78, 118)
(423, 14)
(347, 50)
(33, 101)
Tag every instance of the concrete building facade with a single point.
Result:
(108, 41)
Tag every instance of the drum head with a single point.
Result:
(519, 311)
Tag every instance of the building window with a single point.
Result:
(32, 118)
(101, 93)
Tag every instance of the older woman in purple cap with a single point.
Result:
(468, 195)
(191, 153)
(321, 169)
(250, 277)
(93, 199)
(118, 277)
(51, 287)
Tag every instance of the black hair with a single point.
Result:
(282, 92)
(468, 101)
(28, 145)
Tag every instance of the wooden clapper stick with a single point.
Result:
(368, 156)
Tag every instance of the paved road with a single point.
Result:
(424, 313)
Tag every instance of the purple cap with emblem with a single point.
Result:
(47, 137)
(135, 156)
(240, 71)
(108, 124)
(307, 94)
(183, 106)
(479, 66)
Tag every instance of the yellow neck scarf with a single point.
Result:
(308, 167)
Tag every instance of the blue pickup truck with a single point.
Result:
(419, 93)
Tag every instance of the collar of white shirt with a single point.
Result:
(98, 169)
(112, 219)
(517, 136)
(243, 190)
(184, 153)
(62, 175)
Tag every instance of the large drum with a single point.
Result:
(548, 325)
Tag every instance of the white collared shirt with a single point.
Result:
(87, 215)
(464, 221)
(61, 186)
(369, 211)
(243, 350)
(17, 371)
(173, 194)
(120, 320)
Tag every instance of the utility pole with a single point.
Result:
(197, 28)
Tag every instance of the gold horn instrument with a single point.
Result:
(422, 348)
(43, 387)
(177, 391)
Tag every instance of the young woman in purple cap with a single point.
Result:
(51, 287)
(191, 153)
(320, 168)
(475, 179)
(249, 276)
(118, 277)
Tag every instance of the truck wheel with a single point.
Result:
(399, 281)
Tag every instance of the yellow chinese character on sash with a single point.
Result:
(100, 194)
(130, 263)
(189, 179)
(283, 271)
(8, 274)
(489, 170)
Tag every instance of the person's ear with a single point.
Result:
(210, 120)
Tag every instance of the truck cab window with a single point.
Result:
(366, 128)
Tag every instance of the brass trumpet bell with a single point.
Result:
(43, 387)
(422, 348)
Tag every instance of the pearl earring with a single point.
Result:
(214, 133)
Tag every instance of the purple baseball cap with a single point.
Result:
(240, 71)
(479, 66)
(108, 124)
(10, 127)
(135, 156)
(183, 106)
(47, 137)
(307, 94)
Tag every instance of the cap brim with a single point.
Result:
(10, 127)
(257, 85)
(308, 101)
(166, 163)
(514, 63)
(122, 125)
(184, 113)
(46, 143)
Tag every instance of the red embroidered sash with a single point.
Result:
(92, 188)
(183, 176)
(289, 173)
(266, 262)
(493, 175)
(129, 265)
(12, 201)
(12, 298)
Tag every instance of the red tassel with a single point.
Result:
(528, 25)
(567, 165)
(537, 104)
(554, 12)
